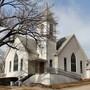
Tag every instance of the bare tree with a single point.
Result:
(19, 17)
(2, 53)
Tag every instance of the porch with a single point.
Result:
(53, 76)
(39, 73)
(48, 76)
(37, 66)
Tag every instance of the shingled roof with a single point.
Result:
(60, 42)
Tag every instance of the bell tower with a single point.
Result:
(49, 23)
(48, 33)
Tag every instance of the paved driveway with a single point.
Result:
(84, 87)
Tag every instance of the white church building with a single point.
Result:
(52, 61)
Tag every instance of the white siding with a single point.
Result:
(22, 54)
(72, 47)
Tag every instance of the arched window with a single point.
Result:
(73, 63)
(15, 66)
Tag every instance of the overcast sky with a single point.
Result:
(73, 17)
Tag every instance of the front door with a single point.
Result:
(41, 67)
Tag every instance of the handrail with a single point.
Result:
(22, 79)
(52, 70)
(59, 72)
(62, 72)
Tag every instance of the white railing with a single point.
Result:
(62, 72)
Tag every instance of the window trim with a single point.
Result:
(81, 68)
(50, 63)
(10, 66)
(73, 63)
(51, 29)
(15, 65)
(42, 29)
(65, 64)
(21, 65)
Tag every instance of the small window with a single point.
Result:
(15, 68)
(21, 65)
(65, 64)
(51, 29)
(42, 29)
(81, 69)
(10, 66)
(50, 63)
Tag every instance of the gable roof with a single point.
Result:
(60, 42)
(30, 47)
(29, 44)
(64, 41)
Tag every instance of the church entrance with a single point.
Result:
(41, 67)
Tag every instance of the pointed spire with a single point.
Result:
(46, 5)
(48, 13)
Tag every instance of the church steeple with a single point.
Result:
(48, 32)
(47, 11)
(48, 26)
(51, 23)
(48, 14)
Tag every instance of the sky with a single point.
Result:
(73, 17)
